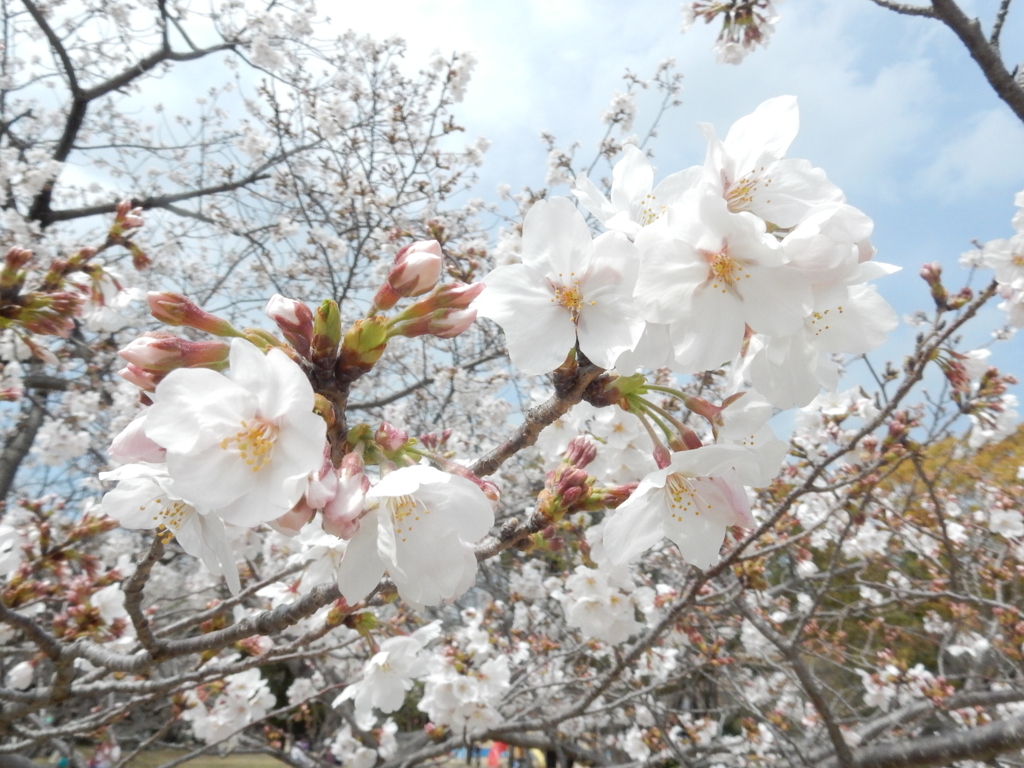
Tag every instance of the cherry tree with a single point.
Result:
(304, 519)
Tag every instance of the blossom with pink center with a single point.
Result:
(634, 204)
(749, 172)
(1006, 258)
(691, 501)
(420, 526)
(242, 444)
(145, 498)
(714, 274)
(570, 288)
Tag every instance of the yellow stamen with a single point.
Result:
(682, 497)
(725, 270)
(254, 443)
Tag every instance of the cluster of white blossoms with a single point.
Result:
(1005, 256)
(245, 699)
(245, 448)
(752, 260)
(462, 683)
(215, 449)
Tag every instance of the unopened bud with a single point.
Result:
(452, 322)
(417, 268)
(161, 351)
(931, 273)
(295, 320)
(662, 457)
(341, 515)
(614, 495)
(444, 324)
(571, 495)
(12, 276)
(326, 333)
(447, 296)
(362, 347)
(568, 479)
(140, 260)
(963, 296)
(581, 451)
(125, 218)
(144, 380)
(322, 486)
(175, 309)
(390, 437)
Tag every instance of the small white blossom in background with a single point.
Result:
(20, 675)
(11, 553)
(746, 24)
(245, 699)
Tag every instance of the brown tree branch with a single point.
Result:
(907, 9)
(19, 444)
(978, 744)
(535, 420)
(986, 54)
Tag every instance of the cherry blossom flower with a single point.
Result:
(11, 553)
(691, 501)
(749, 171)
(1006, 258)
(790, 370)
(421, 531)
(20, 675)
(246, 698)
(389, 675)
(634, 205)
(467, 703)
(242, 445)
(715, 274)
(745, 423)
(569, 288)
(145, 499)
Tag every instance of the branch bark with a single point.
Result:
(19, 444)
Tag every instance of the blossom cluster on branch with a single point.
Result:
(331, 537)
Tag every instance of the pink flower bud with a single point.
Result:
(341, 515)
(614, 495)
(452, 323)
(447, 296)
(931, 273)
(295, 320)
(662, 457)
(142, 379)
(571, 495)
(389, 437)
(444, 323)
(16, 258)
(581, 451)
(417, 268)
(161, 351)
(322, 486)
(175, 309)
(570, 478)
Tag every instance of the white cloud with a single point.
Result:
(990, 154)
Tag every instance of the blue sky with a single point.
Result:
(892, 107)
